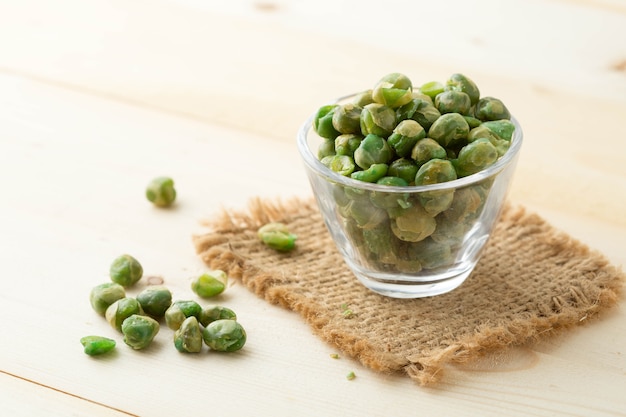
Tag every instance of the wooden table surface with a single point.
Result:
(99, 96)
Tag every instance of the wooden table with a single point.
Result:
(97, 97)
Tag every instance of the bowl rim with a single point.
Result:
(314, 164)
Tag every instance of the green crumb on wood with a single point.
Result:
(350, 376)
(334, 355)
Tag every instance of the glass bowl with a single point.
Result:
(363, 220)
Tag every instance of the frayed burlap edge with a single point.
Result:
(425, 368)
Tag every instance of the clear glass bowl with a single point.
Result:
(361, 218)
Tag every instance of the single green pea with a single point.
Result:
(210, 284)
(432, 254)
(472, 121)
(363, 99)
(413, 225)
(323, 122)
(483, 132)
(275, 235)
(449, 129)
(125, 270)
(97, 345)
(341, 164)
(188, 337)
(426, 114)
(121, 310)
(377, 119)
(373, 149)
(389, 200)
(347, 144)
(366, 215)
(155, 300)
(209, 314)
(393, 90)
(475, 157)
(466, 203)
(460, 82)
(436, 171)
(503, 128)
(179, 311)
(449, 232)
(490, 108)
(381, 242)
(404, 168)
(405, 136)
(371, 174)
(103, 295)
(432, 88)
(161, 192)
(347, 118)
(425, 150)
(453, 101)
(139, 331)
(326, 148)
(224, 335)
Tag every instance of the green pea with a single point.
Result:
(373, 149)
(377, 119)
(371, 174)
(404, 168)
(224, 336)
(125, 270)
(323, 122)
(210, 284)
(425, 150)
(453, 101)
(413, 225)
(139, 331)
(405, 136)
(161, 191)
(326, 148)
(460, 82)
(475, 157)
(390, 200)
(341, 164)
(155, 300)
(432, 88)
(97, 345)
(363, 99)
(449, 129)
(472, 121)
(393, 90)
(503, 128)
(347, 118)
(490, 108)
(210, 314)
(366, 215)
(426, 114)
(188, 337)
(275, 235)
(436, 171)
(103, 295)
(347, 144)
(483, 132)
(179, 311)
(121, 310)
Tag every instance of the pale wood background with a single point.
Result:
(97, 97)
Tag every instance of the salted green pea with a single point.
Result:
(426, 114)
(211, 283)
(188, 337)
(363, 98)
(97, 345)
(341, 164)
(460, 82)
(432, 88)
(393, 90)
(436, 171)
(224, 336)
(179, 311)
(387, 200)
(347, 144)
(210, 314)
(475, 157)
(103, 295)
(483, 132)
(155, 300)
(377, 119)
(503, 128)
(347, 118)
(467, 201)
(380, 241)
(404, 168)
(125, 270)
(323, 122)
(449, 232)
(161, 192)
(366, 215)
(406, 111)
(326, 148)
(453, 101)
(371, 174)
(490, 108)
(425, 150)
(121, 310)
(413, 225)
(432, 254)
(275, 235)
(139, 331)
(472, 121)
(449, 129)
(405, 136)
(373, 149)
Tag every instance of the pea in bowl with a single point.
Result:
(410, 182)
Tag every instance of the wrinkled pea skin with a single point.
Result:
(393, 90)
(125, 270)
(274, 235)
(453, 101)
(181, 310)
(155, 300)
(139, 331)
(103, 295)
(209, 314)
(459, 82)
(475, 157)
(490, 108)
(224, 336)
(161, 192)
(347, 144)
(326, 148)
(404, 168)
(405, 136)
(426, 115)
(377, 119)
(121, 310)
(436, 171)
(449, 129)
(323, 122)
(347, 118)
(341, 164)
(188, 337)
(413, 225)
(214, 283)
(425, 150)
(482, 132)
(373, 149)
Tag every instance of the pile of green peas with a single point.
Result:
(397, 135)
(138, 318)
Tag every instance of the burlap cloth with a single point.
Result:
(531, 281)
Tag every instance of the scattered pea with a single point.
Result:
(351, 375)
(139, 331)
(103, 295)
(277, 236)
(121, 310)
(181, 310)
(210, 314)
(188, 337)
(210, 284)
(161, 192)
(155, 300)
(125, 270)
(224, 336)
(97, 345)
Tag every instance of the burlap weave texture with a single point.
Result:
(532, 280)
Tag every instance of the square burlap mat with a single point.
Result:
(531, 281)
